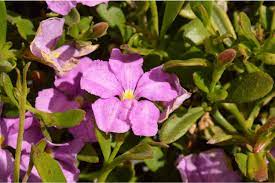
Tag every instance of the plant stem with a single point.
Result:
(155, 19)
(22, 110)
(233, 109)
(223, 122)
(115, 151)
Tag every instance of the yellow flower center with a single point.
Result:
(128, 95)
(55, 54)
(2, 139)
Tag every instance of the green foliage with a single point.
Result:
(48, 169)
(178, 124)
(250, 87)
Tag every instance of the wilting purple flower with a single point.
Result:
(62, 59)
(209, 166)
(64, 7)
(67, 95)
(123, 77)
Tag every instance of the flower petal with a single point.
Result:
(127, 68)
(172, 105)
(144, 118)
(48, 33)
(91, 3)
(85, 131)
(69, 83)
(52, 100)
(209, 166)
(61, 7)
(100, 81)
(108, 114)
(6, 164)
(155, 85)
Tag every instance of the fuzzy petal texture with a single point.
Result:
(127, 68)
(85, 131)
(209, 166)
(172, 105)
(144, 118)
(48, 33)
(107, 114)
(100, 81)
(61, 7)
(69, 83)
(52, 100)
(155, 85)
(6, 164)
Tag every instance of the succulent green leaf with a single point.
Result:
(250, 87)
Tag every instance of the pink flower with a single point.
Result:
(126, 93)
(64, 7)
(62, 59)
(209, 166)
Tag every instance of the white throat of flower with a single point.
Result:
(127, 95)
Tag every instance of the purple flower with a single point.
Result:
(6, 164)
(67, 95)
(64, 7)
(126, 93)
(65, 153)
(62, 59)
(170, 106)
(9, 129)
(209, 166)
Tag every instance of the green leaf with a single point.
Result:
(178, 124)
(222, 23)
(200, 82)
(219, 93)
(195, 31)
(48, 169)
(104, 141)
(250, 87)
(186, 63)
(172, 9)
(271, 168)
(88, 154)
(67, 119)
(24, 26)
(241, 160)
(73, 17)
(202, 10)
(8, 87)
(115, 18)
(6, 66)
(267, 58)
(141, 151)
(3, 23)
(156, 162)
(246, 32)
(257, 167)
